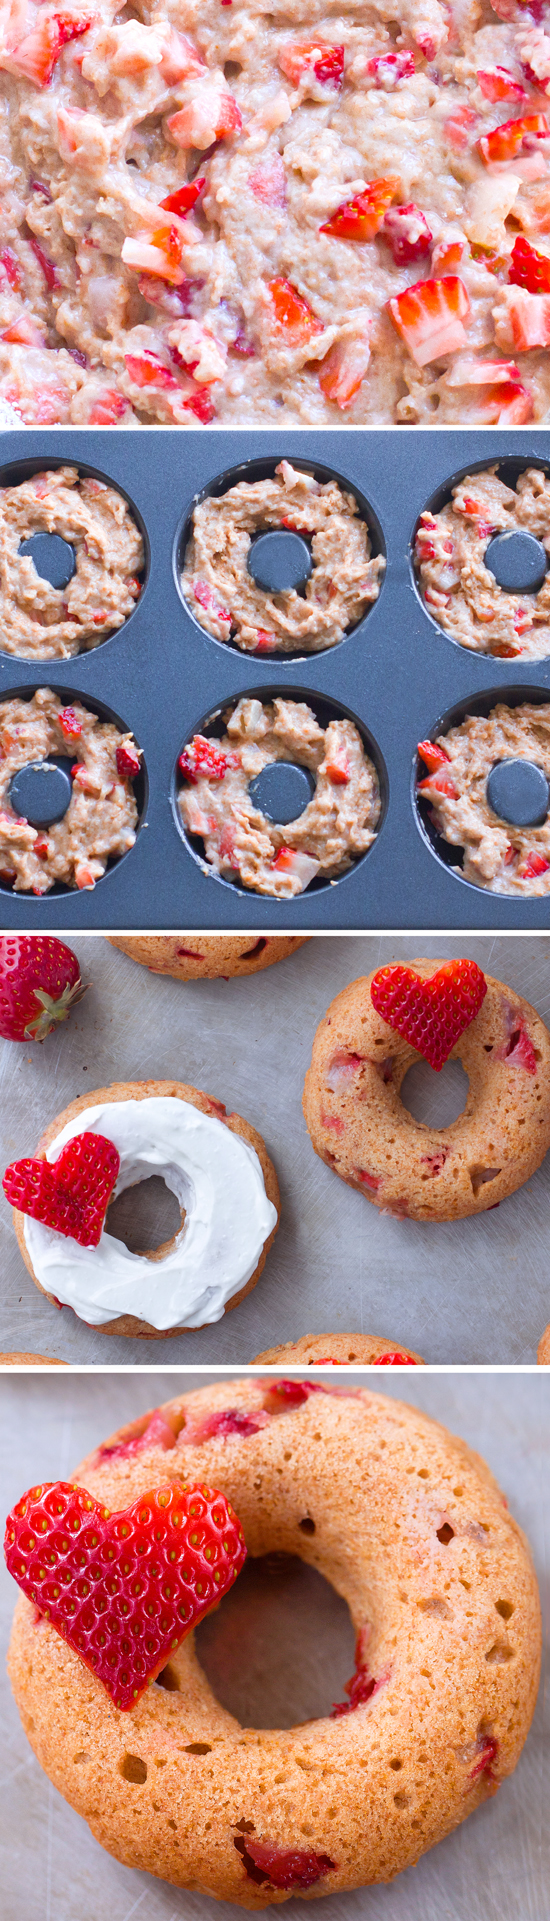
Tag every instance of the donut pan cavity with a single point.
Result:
(396, 674)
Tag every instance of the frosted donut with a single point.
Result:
(219, 1169)
(359, 1126)
(209, 957)
(412, 1530)
(337, 825)
(458, 586)
(42, 622)
(225, 598)
(543, 1350)
(342, 1350)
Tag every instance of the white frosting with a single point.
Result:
(215, 1176)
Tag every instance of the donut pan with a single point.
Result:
(396, 674)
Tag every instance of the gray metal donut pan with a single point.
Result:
(397, 674)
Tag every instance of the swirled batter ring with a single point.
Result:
(223, 594)
(409, 1526)
(460, 590)
(337, 826)
(101, 818)
(42, 622)
(358, 1123)
(503, 858)
(211, 957)
(339, 1350)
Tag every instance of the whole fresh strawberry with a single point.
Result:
(39, 984)
(430, 1012)
(124, 1589)
(70, 1195)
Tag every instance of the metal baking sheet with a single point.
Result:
(476, 1290)
(397, 674)
(494, 1868)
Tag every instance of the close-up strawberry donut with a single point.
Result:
(215, 1163)
(340, 1350)
(208, 957)
(401, 1518)
(373, 1033)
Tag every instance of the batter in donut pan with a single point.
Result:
(411, 1529)
(226, 1186)
(360, 1127)
(458, 586)
(42, 622)
(504, 859)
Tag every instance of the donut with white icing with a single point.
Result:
(219, 1169)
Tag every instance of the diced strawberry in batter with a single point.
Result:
(507, 406)
(49, 271)
(338, 771)
(361, 218)
(497, 84)
(204, 760)
(24, 331)
(387, 69)
(535, 864)
(432, 755)
(185, 197)
(429, 317)
(265, 641)
(291, 313)
(12, 268)
(108, 408)
(343, 371)
(408, 233)
(504, 142)
(36, 55)
(447, 256)
(69, 723)
(438, 784)
(315, 56)
(459, 125)
(149, 371)
(206, 597)
(202, 121)
(373, 1181)
(201, 404)
(528, 268)
(527, 318)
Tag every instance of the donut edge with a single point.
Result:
(143, 948)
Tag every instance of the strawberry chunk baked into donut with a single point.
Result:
(42, 622)
(240, 841)
(410, 1528)
(373, 1032)
(341, 1350)
(226, 599)
(504, 858)
(215, 1163)
(101, 818)
(210, 957)
(457, 583)
(543, 1350)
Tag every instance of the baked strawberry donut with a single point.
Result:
(341, 1350)
(209, 956)
(360, 1127)
(30, 1360)
(412, 1530)
(219, 1169)
(543, 1350)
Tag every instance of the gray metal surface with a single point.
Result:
(495, 1868)
(469, 1291)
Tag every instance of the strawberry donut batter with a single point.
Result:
(101, 818)
(337, 826)
(373, 1033)
(503, 858)
(410, 1528)
(222, 593)
(42, 622)
(457, 584)
(210, 215)
(215, 1163)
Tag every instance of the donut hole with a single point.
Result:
(298, 1639)
(133, 1769)
(53, 557)
(146, 1217)
(436, 1099)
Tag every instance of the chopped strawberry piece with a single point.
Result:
(519, 1047)
(508, 406)
(457, 128)
(339, 772)
(373, 1181)
(447, 256)
(231, 1420)
(535, 864)
(432, 755)
(292, 1394)
(50, 273)
(429, 317)
(25, 331)
(37, 53)
(220, 119)
(315, 56)
(291, 313)
(408, 233)
(204, 760)
(265, 641)
(185, 197)
(168, 1559)
(489, 1749)
(127, 762)
(343, 370)
(201, 404)
(341, 1070)
(209, 600)
(291, 1868)
(361, 218)
(387, 69)
(504, 142)
(41, 187)
(529, 268)
(284, 860)
(497, 84)
(431, 1014)
(394, 1360)
(527, 318)
(69, 723)
(149, 371)
(12, 268)
(438, 784)
(361, 1687)
(108, 408)
(70, 1195)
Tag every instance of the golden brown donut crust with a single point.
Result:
(128, 1324)
(30, 1360)
(453, 1633)
(362, 1130)
(344, 1349)
(224, 956)
(543, 1350)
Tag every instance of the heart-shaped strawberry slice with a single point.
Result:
(71, 1194)
(431, 1014)
(124, 1588)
